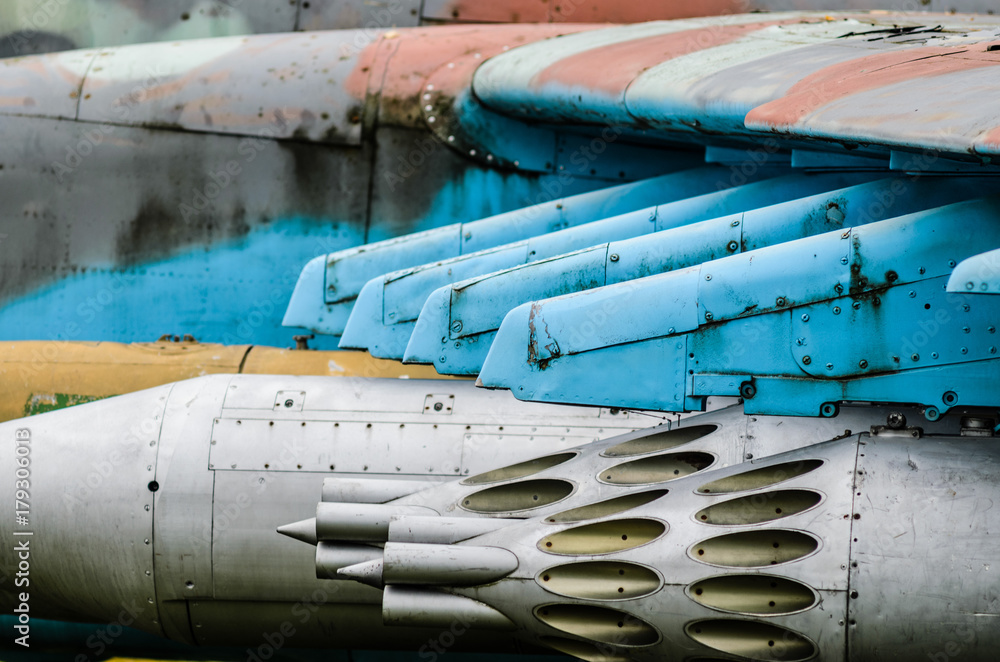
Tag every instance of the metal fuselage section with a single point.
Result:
(166, 501)
(719, 533)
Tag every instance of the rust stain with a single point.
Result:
(590, 69)
(532, 334)
(397, 71)
(865, 74)
(552, 347)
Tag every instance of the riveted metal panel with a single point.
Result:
(923, 557)
(267, 445)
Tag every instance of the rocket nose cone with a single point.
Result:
(304, 530)
(369, 572)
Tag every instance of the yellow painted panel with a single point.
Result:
(39, 376)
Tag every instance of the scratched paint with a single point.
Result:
(804, 76)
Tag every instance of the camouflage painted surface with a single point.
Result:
(144, 191)
(40, 26)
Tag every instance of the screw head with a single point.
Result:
(895, 420)
(732, 246)
(807, 359)
(709, 316)
(289, 403)
(862, 364)
(614, 257)
(805, 317)
(836, 310)
(456, 326)
(780, 301)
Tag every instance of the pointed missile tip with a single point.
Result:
(368, 572)
(304, 530)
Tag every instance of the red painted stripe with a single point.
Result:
(869, 73)
(610, 69)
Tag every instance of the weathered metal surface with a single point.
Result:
(840, 78)
(93, 240)
(742, 324)
(664, 578)
(284, 86)
(387, 308)
(476, 307)
(34, 26)
(36, 377)
(329, 284)
(353, 14)
(201, 516)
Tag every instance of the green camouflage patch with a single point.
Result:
(39, 403)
